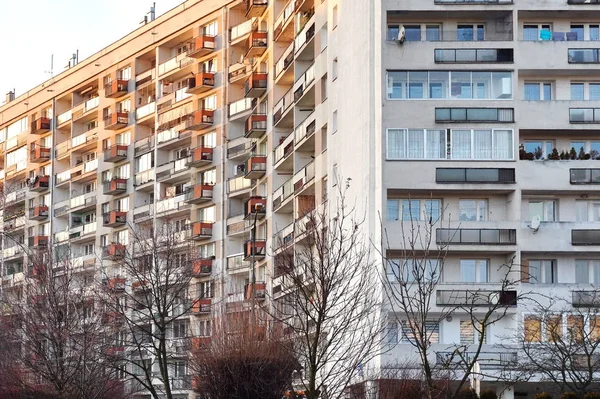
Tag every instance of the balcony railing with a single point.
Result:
(585, 176)
(586, 299)
(115, 153)
(240, 106)
(284, 149)
(478, 55)
(256, 85)
(255, 207)
(236, 262)
(199, 193)
(308, 32)
(584, 115)
(202, 306)
(283, 18)
(116, 88)
(200, 156)
(473, 1)
(200, 83)
(285, 60)
(257, 44)
(145, 110)
(41, 125)
(39, 154)
(238, 183)
(476, 236)
(584, 56)
(256, 126)
(585, 237)
(203, 45)
(202, 230)
(255, 249)
(115, 186)
(302, 84)
(306, 128)
(304, 176)
(283, 193)
(577, 2)
(256, 166)
(474, 175)
(116, 120)
(486, 360)
(39, 183)
(240, 30)
(113, 251)
(259, 289)
(38, 241)
(114, 219)
(282, 105)
(255, 8)
(202, 267)
(476, 298)
(39, 212)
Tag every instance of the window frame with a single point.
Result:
(478, 202)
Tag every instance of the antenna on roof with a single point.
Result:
(151, 13)
(51, 71)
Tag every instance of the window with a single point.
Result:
(412, 33)
(577, 92)
(449, 85)
(587, 271)
(210, 29)
(204, 328)
(544, 209)
(583, 56)
(553, 326)
(540, 148)
(403, 333)
(537, 91)
(392, 332)
(416, 144)
(393, 32)
(481, 144)
(470, 33)
(209, 103)
(475, 175)
(334, 122)
(542, 271)
(334, 69)
(180, 328)
(408, 270)
(474, 270)
(475, 210)
(581, 91)
(205, 289)
(532, 329)
(409, 209)
(467, 332)
(473, 55)
(532, 32)
(587, 211)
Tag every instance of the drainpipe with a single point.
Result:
(224, 126)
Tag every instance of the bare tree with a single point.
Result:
(57, 330)
(327, 306)
(243, 360)
(414, 265)
(147, 293)
(559, 342)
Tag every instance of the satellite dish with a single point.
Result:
(493, 298)
(535, 223)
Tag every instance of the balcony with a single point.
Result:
(201, 82)
(256, 85)
(475, 175)
(41, 126)
(199, 344)
(116, 88)
(115, 284)
(259, 289)
(202, 306)
(475, 298)
(39, 212)
(470, 56)
(256, 8)
(257, 44)
(203, 46)
(113, 251)
(116, 120)
(255, 249)
(139, 286)
(585, 299)
(115, 153)
(283, 29)
(281, 108)
(239, 108)
(39, 183)
(476, 236)
(202, 119)
(255, 207)
(584, 176)
(584, 115)
(198, 194)
(256, 126)
(461, 2)
(585, 237)
(200, 156)
(487, 360)
(202, 230)
(38, 241)
(115, 186)
(303, 177)
(256, 167)
(114, 219)
(39, 154)
(281, 194)
(202, 267)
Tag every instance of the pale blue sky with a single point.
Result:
(32, 30)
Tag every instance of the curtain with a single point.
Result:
(436, 144)
(482, 144)
(461, 144)
(582, 275)
(395, 143)
(503, 144)
(415, 144)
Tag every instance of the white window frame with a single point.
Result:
(589, 203)
(545, 205)
(543, 278)
(541, 85)
(481, 216)
(478, 264)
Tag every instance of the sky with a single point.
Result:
(32, 30)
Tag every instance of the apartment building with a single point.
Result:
(212, 118)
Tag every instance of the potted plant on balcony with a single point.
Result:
(554, 156)
(488, 394)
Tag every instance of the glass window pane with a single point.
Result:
(393, 209)
(467, 210)
(482, 114)
(503, 144)
(594, 91)
(578, 29)
(432, 209)
(581, 211)
(482, 175)
(581, 272)
(392, 32)
(464, 33)
(536, 209)
(466, 55)
(467, 332)
(578, 146)
(482, 144)
(530, 32)
(594, 32)
(482, 82)
(438, 82)
(532, 91)
(577, 91)
(396, 148)
(501, 85)
(397, 81)
(415, 144)
(436, 144)
(482, 271)
(461, 144)
(445, 55)
(595, 149)
(547, 92)
(461, 84)
(411, 210)
(432, 33)
(480, 32)
(533, 146)
(458, 114)
(482, 210)
(417, 84)
(412, 33)
(487, 55)
(450, 175)
(442, 114)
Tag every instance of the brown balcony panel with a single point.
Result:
(202, 119)
(199, 193)
(256, 85)
(203, 46)
(139, 285)
(256, 167)
(201, 156)
(41, 126)
(116, 284)
(115, 153)
(39, 183)
(257, 44)
(116, 88)
(202, 230)
(255, 249)
(259, 289)
(202, 82)
(202, 267)
(200, 344)
(202, 306)
(39, 212)
(256, 8)
(114, 219)
(256, 126)
(39, 154)
(113, 251)
(115, 186)
(38, 242)
(116, 120)
(255, 207)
